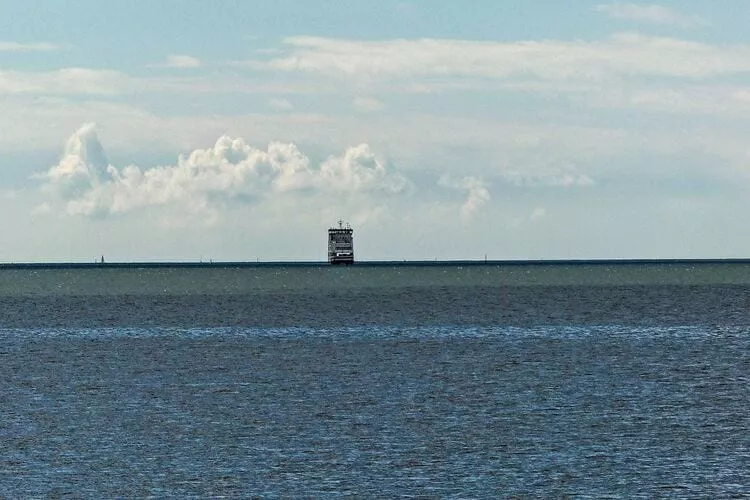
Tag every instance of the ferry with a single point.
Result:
(341, 244)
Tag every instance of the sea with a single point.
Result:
(388, 380)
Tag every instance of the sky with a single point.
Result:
(240, 131)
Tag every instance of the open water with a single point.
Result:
(442, 381)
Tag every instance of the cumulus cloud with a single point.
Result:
(82, 166)
(230, 170)
(359, 170)
(620, 56)
(651, 13)
(477, 193)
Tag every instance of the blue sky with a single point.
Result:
(239, 130)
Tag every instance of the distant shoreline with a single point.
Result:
(384, 263)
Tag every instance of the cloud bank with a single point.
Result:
(207, 178)
(231, 172)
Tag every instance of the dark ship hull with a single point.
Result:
(341, 259)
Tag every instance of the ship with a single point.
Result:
(341, 244)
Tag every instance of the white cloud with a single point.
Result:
(82, 166)
(182, 61)
(367, 104)
(552, 177)
(27, 47)
(652, 13)
(99, 82)
(207, 178)
(34, 123)
(359, 170)
(624, 55)
(280, 104)
(477, 193)
(707, 99)
(64, 81)
(538, 213)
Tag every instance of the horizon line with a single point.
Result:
(366, 263)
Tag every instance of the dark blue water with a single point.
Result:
(361, 382)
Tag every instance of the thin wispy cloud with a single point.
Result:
(674, 98)
(280, 104)
(66, 81)
(649, 13)
(181, 61)
(624, 55)
(538, 213)
(550, 177)
(367, 104)
(404, 8)
(28, 47)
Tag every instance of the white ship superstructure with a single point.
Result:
(341, 244)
